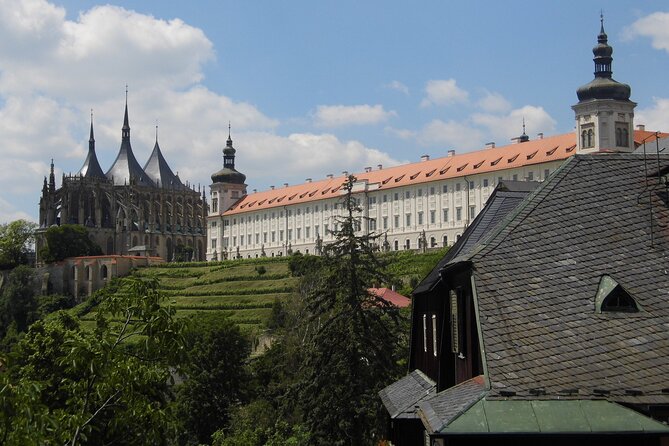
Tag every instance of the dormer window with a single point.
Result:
(613, 298)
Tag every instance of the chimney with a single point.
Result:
(255, 190)
(425, 158)
(345, 173)
(451, 152)
(271, 187)
(540, 136)
(641, 127)
(490, 145)
(308, 180)
(516, 139)
(330, 176)
(379, 166)
(285, 184)
(368, 169)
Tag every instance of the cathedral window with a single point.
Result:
(622, 135)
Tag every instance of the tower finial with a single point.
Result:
(125, 131)
(229, 142)
(156, 131)
(523, 137)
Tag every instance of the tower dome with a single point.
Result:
(228, 174)
(603, 86)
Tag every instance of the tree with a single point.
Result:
(110, 385)
(67, 241)
(15, 241)
(18, 306)
(352, 351)
(216, 377)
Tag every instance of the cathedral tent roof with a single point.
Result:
(126, 169)
(159, 171)
(91, 167)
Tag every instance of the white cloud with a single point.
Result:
(398, 86)
(502, 128)
(399, 133)
(450, 134)
(443, 92)
(655, 117)
(655, 26)
(494, 103)
(343, 115)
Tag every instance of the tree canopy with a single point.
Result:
(67, 241)
(16, 239)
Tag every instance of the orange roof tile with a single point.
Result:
(538, 151)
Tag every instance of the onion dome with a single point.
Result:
(91, 167)
(603, 86)
(228, 174)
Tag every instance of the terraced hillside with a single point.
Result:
(237, 289)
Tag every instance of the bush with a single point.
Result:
(67, 241)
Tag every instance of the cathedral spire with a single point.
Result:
(91, 140)
(52, 178)
(125, 131)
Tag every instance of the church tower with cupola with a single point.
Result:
(227, 187)
(604, 113)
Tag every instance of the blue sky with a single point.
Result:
(311, 88)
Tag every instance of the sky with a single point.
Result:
(309, 87)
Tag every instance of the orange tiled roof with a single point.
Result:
(554, 148)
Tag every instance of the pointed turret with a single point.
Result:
(91, 167)
(126, 169)
(52, 178)
(159, 171)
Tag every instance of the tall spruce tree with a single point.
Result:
(351, 355)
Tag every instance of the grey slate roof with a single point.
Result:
(91, 167)
(159, 171)
(537, 277)
(506, 196)
(401, 397)
(440, 409)
(126, 169)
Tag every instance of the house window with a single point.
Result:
(432, 190)
(515, 177)
(433, 217)
(444, 189)
(420, 192)
(471, 185)
(407, 244)
(485, 182)
(385, 198)
(455, 322)
(407, 195)
(397, 245)
(213, 243)
(214, 205)
(434, 335)
(425, 333)
(433, 242)
(281, 235)
(290, 234)
(257, 238)
(472, 212)
(307, 231)
(408, 219)
(396, 196)
(445, 241)
(445, 215)
(397, 221)
(420, 218)
(273, 236)
(457, 187)
(299, 233)
(385, 222)
(458, 214)
(530, 176)
(372, 224)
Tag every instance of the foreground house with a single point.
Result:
(553, 328)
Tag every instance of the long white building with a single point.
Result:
(428, 203)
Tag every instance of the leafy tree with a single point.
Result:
(67, 241)
(109, 385)
(261, 270)
(17, 301)
(351, 354)
(15, 240)
(216, 377)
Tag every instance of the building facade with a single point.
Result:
(419, 205)
(129, 208)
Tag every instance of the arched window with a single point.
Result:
(445, 240)
(396, 245)
(103, 272)
(89, 273)
(612, 297)
(433, 242)
(625, 139)
(584, 139)
(619, 137)
(407, 244)
(591, 139)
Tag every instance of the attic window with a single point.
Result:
(613, 298)
(513, 158)
(413, 177)
(399, 178)
(461, 168)
(493, 163)
(443, 171)
(476, 166)
(571, 148)
(531, 155)
(386, 180)
(429, 174)
(551, 151)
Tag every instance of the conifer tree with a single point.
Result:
(351, 355)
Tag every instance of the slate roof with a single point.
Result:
(442, 408)
(537, 277)
(91, 167)
(505, 198)
(401, 397)
(159, 171)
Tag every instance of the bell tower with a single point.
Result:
(604, 112)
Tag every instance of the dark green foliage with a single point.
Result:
(67, 241)
(18, 305)
(15, 240)
(52, 303)
(352, 353)
(216, 377)
(260, 269)
(300, 265)
(66, 385)
(278, 317)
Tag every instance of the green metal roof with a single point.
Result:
(551, 416)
